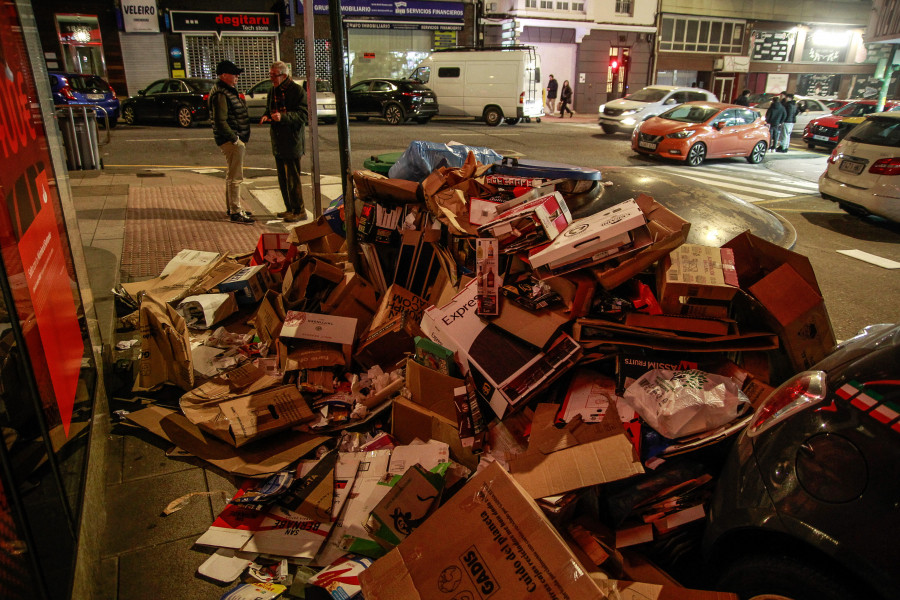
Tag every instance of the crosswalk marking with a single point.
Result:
(752, 183)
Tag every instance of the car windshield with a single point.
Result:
(855, 110)
(201, 85)
(878, 132)
(687, 113)
(88, 84)
(647, 95)
(412, 86)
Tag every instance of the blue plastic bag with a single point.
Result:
(421, 158)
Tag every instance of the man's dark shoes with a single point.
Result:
(241, 218)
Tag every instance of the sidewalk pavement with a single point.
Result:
(131, 223)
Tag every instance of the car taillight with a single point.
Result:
(413, 94)
(886, 166)
(206, 96)
(67, 92)
(112, 91)
(798, 393)
(833, 157)
(522, 98)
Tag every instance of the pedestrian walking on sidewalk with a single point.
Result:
(552, 87)
(565, 98)
(775, 117)
(231, 129)
(286, 110)
(790, 117)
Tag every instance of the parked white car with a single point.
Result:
(810, 108)
(625, 113)
(863, 172)
(326, 105)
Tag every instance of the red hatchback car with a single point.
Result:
(828, 130)
(695, 131)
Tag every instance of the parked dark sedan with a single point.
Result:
(806, 507)
(182, 101)
(78, 88)
(396, 100)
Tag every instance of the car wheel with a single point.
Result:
(185, 118)
(810, 145)
(852, 210)
(512, 121)
(423, 120)
(757, 154)
(493, 116)
(697, 154)
(362, 119)
(609, 129)
(128, 115)
(394, 114)
(768, 577)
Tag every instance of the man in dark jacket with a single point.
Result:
(231, 128)
(790, 117)
(775, 117)
(287, 111)
(552, 87)
(743, 99)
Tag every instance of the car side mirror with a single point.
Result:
(719, 125)
(142, 92)
(670, 101)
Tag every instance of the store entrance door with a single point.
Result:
(723, 87)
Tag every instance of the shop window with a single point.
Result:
(689, 34)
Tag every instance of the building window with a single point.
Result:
(686, 34)
(546, 4)
(530, 3)
(624, 7)
(562, 6)
(579, 6)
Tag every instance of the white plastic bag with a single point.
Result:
(680, 403)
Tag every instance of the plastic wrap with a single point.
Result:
(421, 158)
(680, 403)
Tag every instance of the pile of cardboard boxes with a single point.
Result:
(455, 421)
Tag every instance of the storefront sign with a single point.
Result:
(826, 46)
(140, 16)
(78, 29)
(772, 45)
(403, 25)
(410, 9)
(35, 250)
(225, 22)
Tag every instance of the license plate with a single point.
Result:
(851, 166)
(95, 96)
(328, 106)
(822, 138)
(429, 100)
(647, 145)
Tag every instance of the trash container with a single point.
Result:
(79, 131)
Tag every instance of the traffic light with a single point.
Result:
(614, 63)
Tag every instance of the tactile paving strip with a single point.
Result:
(162, 221)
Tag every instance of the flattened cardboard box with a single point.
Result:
(165, 347)
(254, 416)
(410, 421)
(631, 590)
(577, 456)
(494, 544)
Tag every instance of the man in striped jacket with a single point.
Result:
(231, 128)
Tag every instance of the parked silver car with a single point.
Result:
(326, 105)
(626, 113)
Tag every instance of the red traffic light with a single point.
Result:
(614, 64)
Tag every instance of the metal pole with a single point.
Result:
(886, 82)
(309, 36)
(338, 70)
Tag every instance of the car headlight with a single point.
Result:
(628, 112)
(628, 121)
(680, 135)
(602, 107)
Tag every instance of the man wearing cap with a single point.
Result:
(287, 112)
(231, 128)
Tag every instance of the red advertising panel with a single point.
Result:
(33, 239)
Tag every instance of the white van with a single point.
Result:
(625, 113)
(494, 84)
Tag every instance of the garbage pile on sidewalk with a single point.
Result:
(506, 401)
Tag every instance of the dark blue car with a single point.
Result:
(76, 88)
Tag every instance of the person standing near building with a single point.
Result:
(231, 129)
(552, 87)
(790, 117)
(775, 117)
(565, 97)
(743, 99)
(287, 111)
